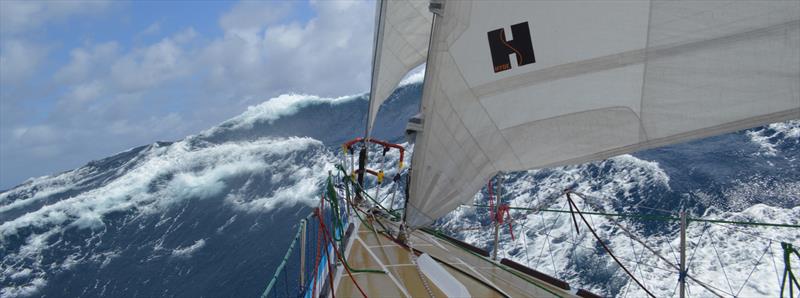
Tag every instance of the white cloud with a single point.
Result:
(86, 92)
(287, 36)
(181, 83)
(185, 36)
(145, 68)
(328, 54)
(86, 62)
(36, 134)
(19, 60)
(20, 16)
(154, 28)
(253, 15)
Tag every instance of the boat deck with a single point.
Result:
(480, 276)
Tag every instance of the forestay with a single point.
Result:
(516, 85)
(402, 32)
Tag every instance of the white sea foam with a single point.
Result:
(165, 176)
(188, 251)
(275, 108)
(25, 290)
(40, 188)
(227, 224)
(760, 189)
(549, 243)
(415, 76)
(303, 188)
(775, 134)
(178, 160)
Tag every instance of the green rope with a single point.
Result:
(358, 189)
(787, 271)
(338, 224)
(333, 198)
(746, 223)
(282, 265)
(657, 217)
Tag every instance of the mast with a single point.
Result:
(362, 155)
(375, 56)
(435, 7)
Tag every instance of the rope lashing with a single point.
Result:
(502, 212)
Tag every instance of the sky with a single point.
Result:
(83, 80)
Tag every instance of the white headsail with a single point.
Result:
(401, 43)
(532, 84)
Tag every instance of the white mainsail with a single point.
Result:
(401, 44)
(532, 84)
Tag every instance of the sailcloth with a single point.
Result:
(401, 43)
(516, 85)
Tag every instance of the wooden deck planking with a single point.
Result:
(369, 252)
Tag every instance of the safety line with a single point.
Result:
(656, 217)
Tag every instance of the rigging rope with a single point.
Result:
(630, 234)
(708, 287)
(722, 265)
(654, 217)
(787, 271)
(754, 269)
(569, 199)
(711, 289)
(339, 256)
(333, 199)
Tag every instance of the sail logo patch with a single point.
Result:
(502, 48)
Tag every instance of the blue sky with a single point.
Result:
(81, 80)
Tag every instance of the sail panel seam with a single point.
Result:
(623, 59)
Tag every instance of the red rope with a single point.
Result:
(491, 201)
(327, 236)
(325, 244)
(316, 262)
(330, 270)
(505, 209)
